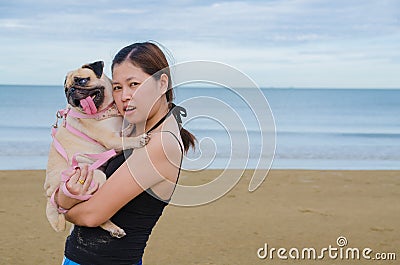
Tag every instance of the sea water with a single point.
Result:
(315, 128)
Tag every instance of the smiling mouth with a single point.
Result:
(129, 108)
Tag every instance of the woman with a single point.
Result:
(143, 93)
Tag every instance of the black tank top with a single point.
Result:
(95, 246)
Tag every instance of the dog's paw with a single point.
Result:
(144, 139)
(117, 232)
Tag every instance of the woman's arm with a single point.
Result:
(147, 166)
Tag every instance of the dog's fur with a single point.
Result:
(88, 80)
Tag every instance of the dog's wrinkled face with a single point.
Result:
(88, 81)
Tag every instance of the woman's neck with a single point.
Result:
(145, 127)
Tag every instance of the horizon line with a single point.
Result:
(262, 87)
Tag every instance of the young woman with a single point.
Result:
(139, 186)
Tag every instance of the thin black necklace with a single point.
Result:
(178, 111)
(160, 121)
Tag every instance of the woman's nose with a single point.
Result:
(126, 94)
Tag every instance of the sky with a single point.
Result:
(277, 43)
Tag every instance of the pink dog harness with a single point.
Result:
(91, 113)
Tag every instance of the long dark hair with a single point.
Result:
(151, 59)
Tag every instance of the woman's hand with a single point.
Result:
(78, 184)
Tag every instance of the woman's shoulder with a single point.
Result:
(156, 162)
(168, 137)
(165, 142)
(163, 148)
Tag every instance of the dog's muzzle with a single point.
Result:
(75, 95)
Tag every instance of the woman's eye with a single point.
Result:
(134, 84)
(115, 88)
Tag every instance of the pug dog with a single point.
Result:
(89, 92)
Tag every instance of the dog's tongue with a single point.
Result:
(88, 106)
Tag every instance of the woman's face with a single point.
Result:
(136, 94)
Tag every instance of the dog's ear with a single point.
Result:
(65, 85)
(96, 67)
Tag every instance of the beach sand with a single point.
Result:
(292, 209)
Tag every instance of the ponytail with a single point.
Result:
(188, 139)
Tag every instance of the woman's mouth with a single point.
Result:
(129, 109)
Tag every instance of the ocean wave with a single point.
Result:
(24, 127)
(24, 148)
(343, 134)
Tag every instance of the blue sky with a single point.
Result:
(278, 43)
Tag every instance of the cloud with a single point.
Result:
(258, 36)
(251, 22)
(13, 24)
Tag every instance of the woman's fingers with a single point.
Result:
(88, 180)
(75, 176)
(70, 173)
(93, 189)
(90, 189)
(84, 173)
(73, 179)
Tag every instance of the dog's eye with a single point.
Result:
(81, 81)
